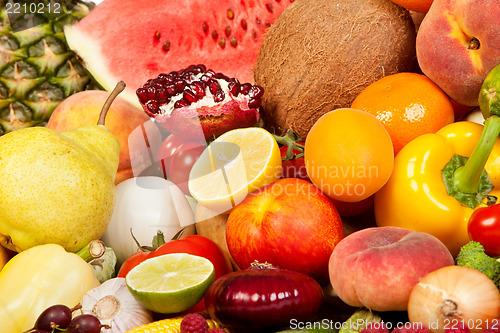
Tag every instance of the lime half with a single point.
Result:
(170, 283)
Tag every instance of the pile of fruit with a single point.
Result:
(250, 166)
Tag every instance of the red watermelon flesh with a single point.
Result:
(135, 40)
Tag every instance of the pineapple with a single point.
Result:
(37, 69)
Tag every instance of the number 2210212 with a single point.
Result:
(32, 8)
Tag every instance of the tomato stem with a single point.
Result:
(467, 178)
(291, 140)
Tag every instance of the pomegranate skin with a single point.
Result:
(263, 297)
(213, 120)
(197, 103)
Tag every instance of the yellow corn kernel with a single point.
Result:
(170, 325)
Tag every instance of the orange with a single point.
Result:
(348, 154)
(420, 6)
(408, 104)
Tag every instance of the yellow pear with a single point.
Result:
(57, 187)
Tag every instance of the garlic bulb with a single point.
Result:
(115, 306)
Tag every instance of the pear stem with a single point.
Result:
(120, 86)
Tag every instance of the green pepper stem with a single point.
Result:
(466, 178)
(93, 250)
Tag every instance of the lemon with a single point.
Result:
(170, 283)
(233, 165)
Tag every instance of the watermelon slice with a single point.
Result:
(135, 40)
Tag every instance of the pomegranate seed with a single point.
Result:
(150, 92)
(173, 73)
(254, 103)
(189, 96)
(141, 94)
(222, 76)
(162, 94)
(205, 79)
(234, 88)
(153, 107)
(171, 90)
(201, 68)
(214, 86)
(148, 82)
(245, 88)
(179, 85)
(219, 96)
(198, 89)
(256, 92)
(181, 103)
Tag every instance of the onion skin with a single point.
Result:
(445, 297)
(263, 297)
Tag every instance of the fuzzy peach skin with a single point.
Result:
(378, 267)
(83, 108)
(458, 43)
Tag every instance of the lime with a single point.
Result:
(170, 283)
(489, 96)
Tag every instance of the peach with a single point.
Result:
(458, 44)
(378, 267)
(83, 108)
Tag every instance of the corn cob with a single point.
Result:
(170, 325)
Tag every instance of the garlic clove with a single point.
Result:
(115, 306)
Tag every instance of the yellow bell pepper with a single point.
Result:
(37, 278)
(416, 197)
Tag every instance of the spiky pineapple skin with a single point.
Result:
(37, 69)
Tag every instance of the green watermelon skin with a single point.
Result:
(135, 40)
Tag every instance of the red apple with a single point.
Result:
(458, 43)
(290, 224)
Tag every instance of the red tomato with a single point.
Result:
(168, 148)
(182, 162)
(295, 167)
(192, 244)
(484, 227)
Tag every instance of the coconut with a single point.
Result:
(320, 54)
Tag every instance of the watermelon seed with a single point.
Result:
(233, 42)
(205, 27)
(166, 46)
(230, 14)
(228, 31)
(222, 42)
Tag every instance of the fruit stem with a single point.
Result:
(93, 250)
(467, 178)
(120, 86)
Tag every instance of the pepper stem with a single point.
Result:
(467, 178)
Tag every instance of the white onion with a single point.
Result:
(451, 295)
(146, 205)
